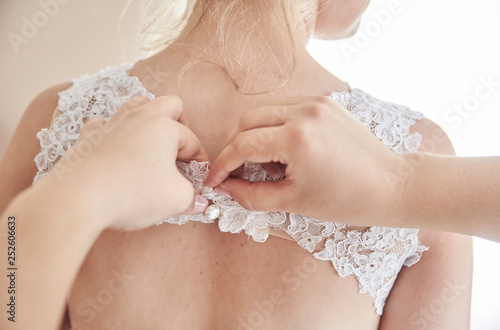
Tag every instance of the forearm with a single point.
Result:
(51, 242)
(454, 194)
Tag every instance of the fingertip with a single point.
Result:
(197, 206)
(202, 156)
(221, 191)
(134, 102)
(183, 119)
(190, 147)
(176, 101)
(209, 181)
(215, 178)
(172, 104)
(222, 168)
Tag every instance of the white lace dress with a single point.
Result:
(375, 256)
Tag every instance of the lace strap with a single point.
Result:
(100, 95)
(389, 122)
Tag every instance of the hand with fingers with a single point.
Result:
(327, 175)
(120, 174)
(130, 174)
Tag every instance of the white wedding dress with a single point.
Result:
(375, 256)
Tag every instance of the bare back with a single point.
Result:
(193, 276)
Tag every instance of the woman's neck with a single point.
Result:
(210, 99)
(260, 49)
(245, 56)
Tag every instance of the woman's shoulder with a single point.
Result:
(96, 95)
(361, 101)
(17, 168)
(105, 83)
(100, 93)
(390, 122)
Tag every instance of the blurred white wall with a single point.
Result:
(429, 55)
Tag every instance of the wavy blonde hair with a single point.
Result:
(166, 21)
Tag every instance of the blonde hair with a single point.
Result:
(166, 21)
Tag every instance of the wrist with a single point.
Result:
(51, 214)
(54, 237)
(392, 200)
(407, 187)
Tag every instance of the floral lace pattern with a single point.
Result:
(375, 256)
(99, 95)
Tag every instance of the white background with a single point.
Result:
(431, 55)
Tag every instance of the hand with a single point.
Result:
(123, 171)
(328, 175)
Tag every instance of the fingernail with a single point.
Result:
(205, 190)
(222, 191)
(200, 204)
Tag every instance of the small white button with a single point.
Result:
(212, 212)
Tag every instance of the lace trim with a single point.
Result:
(374, 256)
(99, 95)
(388, 121)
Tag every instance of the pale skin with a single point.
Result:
(194, 276)
(40, 249)
(369, 185)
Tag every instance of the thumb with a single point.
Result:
(187, 199)
(198, 205)
(183, 197)
(265, 196)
